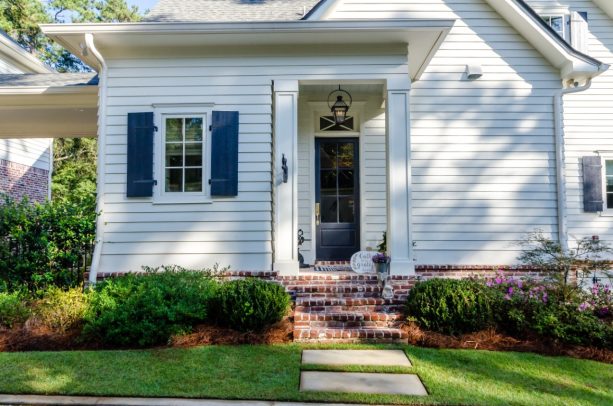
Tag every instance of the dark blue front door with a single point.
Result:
(337, 197)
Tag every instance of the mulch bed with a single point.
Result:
(494, 341)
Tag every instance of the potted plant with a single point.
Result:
(381, 261)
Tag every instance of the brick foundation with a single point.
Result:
(19, 181)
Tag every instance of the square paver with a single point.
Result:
(351, 382)
(396, 358)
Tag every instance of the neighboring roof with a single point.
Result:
(48, 79)
(229, 10)
(13, 52)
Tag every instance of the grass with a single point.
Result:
(272, 373)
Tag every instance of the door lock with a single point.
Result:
(317, 214)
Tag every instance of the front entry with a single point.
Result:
(337, 198)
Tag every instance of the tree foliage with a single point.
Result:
(74, 173)
(21, 19)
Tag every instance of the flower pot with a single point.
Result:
(382, 270)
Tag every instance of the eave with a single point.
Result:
(573, 65)
(422, 36)
(19, 57)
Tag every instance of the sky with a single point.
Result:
(143, 5)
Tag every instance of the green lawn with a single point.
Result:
(272, 372)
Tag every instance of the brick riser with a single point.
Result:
(342, 307)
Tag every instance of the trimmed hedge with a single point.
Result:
(251, 304)
(451, 306)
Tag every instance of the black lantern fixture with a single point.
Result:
(340, 108)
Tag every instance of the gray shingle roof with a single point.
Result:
(229, 10)
(48, 79)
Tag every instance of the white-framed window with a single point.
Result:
(182, 156)
(608, 182)
(560, 23)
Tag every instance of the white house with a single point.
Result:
(25, 164)
(217, 142)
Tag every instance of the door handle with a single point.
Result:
(317, 214)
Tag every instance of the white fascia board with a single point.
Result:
(571, 66)
(22, 58)
(606, 6)
(115, 36)
(48, 90)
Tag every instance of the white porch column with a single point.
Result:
(285, 195)
(399, 187)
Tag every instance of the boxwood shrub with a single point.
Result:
(146, 309)
(251, 304)
(451, 306)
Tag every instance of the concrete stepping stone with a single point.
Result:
(350, 382)
(396, 358)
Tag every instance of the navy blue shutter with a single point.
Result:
(224, 153)
(593, 200)
(140, 155)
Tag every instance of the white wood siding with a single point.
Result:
(483, 151)
(29, 152)
(235, 231)
(588, 123)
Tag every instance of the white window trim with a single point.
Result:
(607, 211)
(177, 111)
(560, 11)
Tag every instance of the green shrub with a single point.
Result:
(13, 309)
(451, 306)
(61, 310)
(251, 304)
(146, 309)
(44, 244)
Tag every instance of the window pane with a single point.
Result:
(610, 200)
(345, 155)
(328, 182)
(193, 154)
(328, 156)
(174, 155)
(329, 208)
(193, 180)
(174, 180)
(346, 209)
(557, 23)
(609, 168)
(174, 129)
(193, 129)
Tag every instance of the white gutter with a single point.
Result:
(558, 112)
(91, 47)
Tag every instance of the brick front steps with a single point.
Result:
(343, 307)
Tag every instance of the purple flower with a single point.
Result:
(510, 290)
(583, 306)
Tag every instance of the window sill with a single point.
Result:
(608, 213)
(161, 200)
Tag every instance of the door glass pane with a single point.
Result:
(193, 180)
(329, 209)
(174, 154)
(174, 180)
(328, 182)
(610, 200)
(609, 168)
(193, 129)
(174, 129)
(346, 209)
(345, 182)
(327, 154)
(345, 155)
(193, 154)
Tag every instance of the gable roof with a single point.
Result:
(230, 10)
(14, 54)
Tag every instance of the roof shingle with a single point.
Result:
(229, 10)
(48, 79)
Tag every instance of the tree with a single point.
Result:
(21, 19)
(74, 173)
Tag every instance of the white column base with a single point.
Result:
(402, 268)
(289, 268)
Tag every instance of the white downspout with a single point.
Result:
(558, 112)
(91, 47)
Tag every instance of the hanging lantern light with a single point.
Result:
(340, 108)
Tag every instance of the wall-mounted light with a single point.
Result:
(340, 107)
(473, 72)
